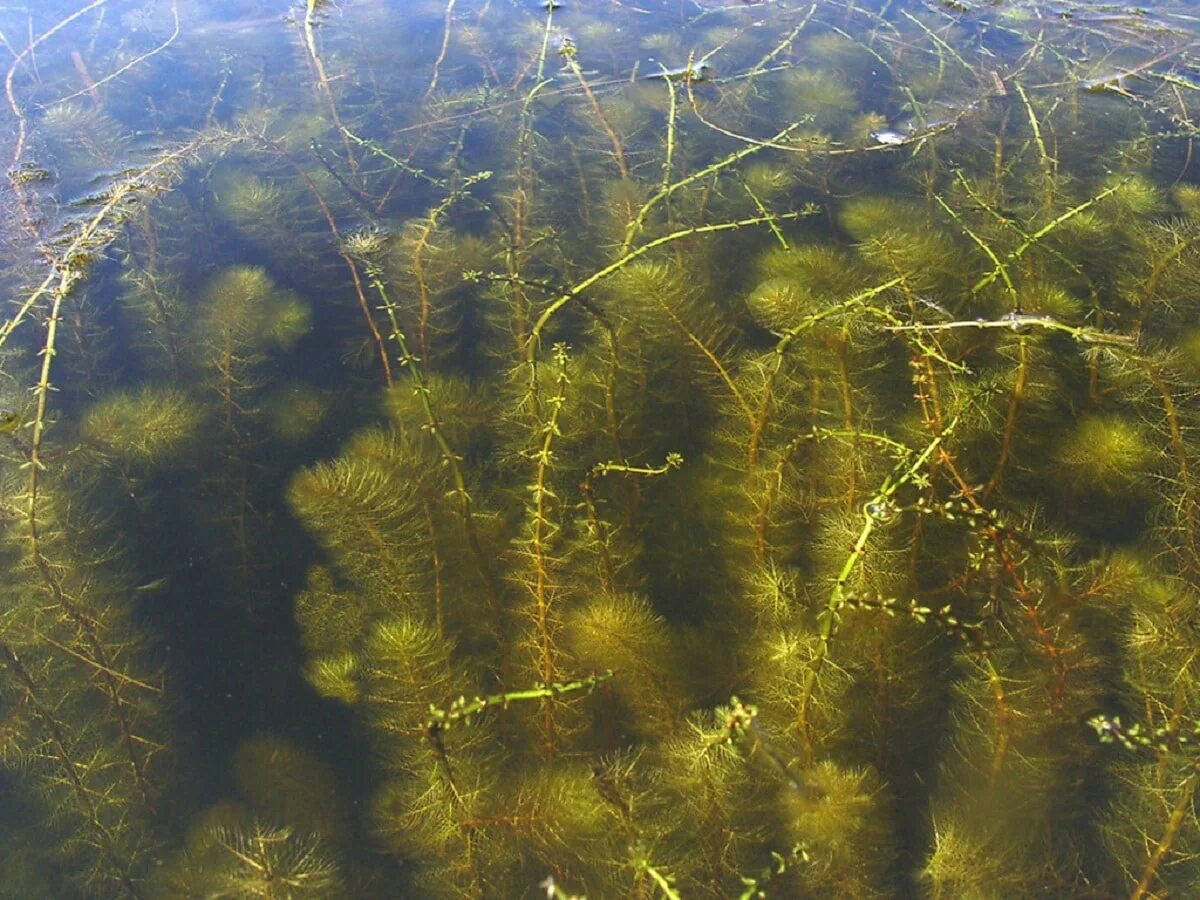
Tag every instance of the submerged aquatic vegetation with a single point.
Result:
(539, 467)
(150, 427)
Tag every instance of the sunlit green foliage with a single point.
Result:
(498, 463)
(148, 428)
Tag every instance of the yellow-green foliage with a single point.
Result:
(194, 867)
(247, 199)
(405, 668)
(568, 824)
(663, 42)
(869, 218)
(781, 664)
(1187, 196)
(335, 676)
(819, 96)
(425, 816)
(617, 205)
(835, 812)
(842, 54)
(244, 313)
(425, 265)
(768, 182)
(780, 303)
(150, 427)
(267, 212)
(463, 409)
(1153, 787)
(715, 804)
(283, 783)
(329, 619)
(155, 304)
(628, 112)
(827, 271)
(1162, 276)
(83, 136)
(900, 237)
(365, 507)
(83, 746)
(803, 282)
(1106, 454)
(1052, 300)
(286, 323)
(295, 412)
(712, 514)
(1147, 794)
(987, 867)
(665, 308)
(1162, 678)
(1021, 751)
(1136, 197)
(231, 854)
(623, 633)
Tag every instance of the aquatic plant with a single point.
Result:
(148, 429)
(283, 783)
(737, 473)
(295, 412)
(90, 766)
(245, 858)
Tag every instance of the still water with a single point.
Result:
(623, 448)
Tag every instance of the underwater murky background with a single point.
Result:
(623, 448)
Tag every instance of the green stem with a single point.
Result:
(433, 425)
(442, 719)
(829, 616)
